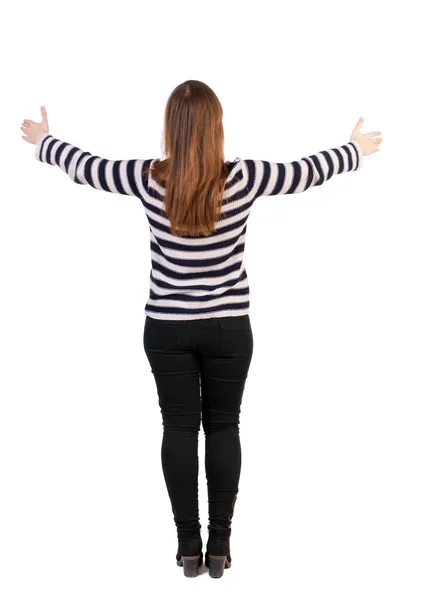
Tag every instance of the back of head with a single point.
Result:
(193, 171)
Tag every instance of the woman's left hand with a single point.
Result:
(34, 131)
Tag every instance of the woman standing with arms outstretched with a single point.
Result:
(197, 336)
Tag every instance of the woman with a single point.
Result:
(198, 337)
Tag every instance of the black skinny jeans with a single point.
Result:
(200, 367)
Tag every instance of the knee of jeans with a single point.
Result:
(214, 422)
(212, 428)
(189, 423)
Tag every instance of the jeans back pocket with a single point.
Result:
(162, 335)
(236, 336)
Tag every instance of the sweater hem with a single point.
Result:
(218, 314)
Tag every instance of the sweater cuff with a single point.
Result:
(360, 154)
(39, 145)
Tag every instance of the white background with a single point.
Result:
(341, 491)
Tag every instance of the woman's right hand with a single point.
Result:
(368, 141)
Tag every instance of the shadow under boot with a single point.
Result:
(217, 555)
(189, 552)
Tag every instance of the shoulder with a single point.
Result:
(235, 165)
(234, 168)
(148, 163)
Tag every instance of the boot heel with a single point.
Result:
(216, 565)
(190, 565)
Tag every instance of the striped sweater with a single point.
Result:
(199, 277)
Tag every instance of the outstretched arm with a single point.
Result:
(116, 176)
(271, 178)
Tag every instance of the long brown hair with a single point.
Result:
(194, 171)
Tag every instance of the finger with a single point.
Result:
(371, 136)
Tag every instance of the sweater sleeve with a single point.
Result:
(116, 176)
(273, 178)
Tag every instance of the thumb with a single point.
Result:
(44, 117)
(359, 124)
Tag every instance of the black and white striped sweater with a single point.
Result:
(199, 277)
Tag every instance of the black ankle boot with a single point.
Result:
(189, 552)
(217, 556)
